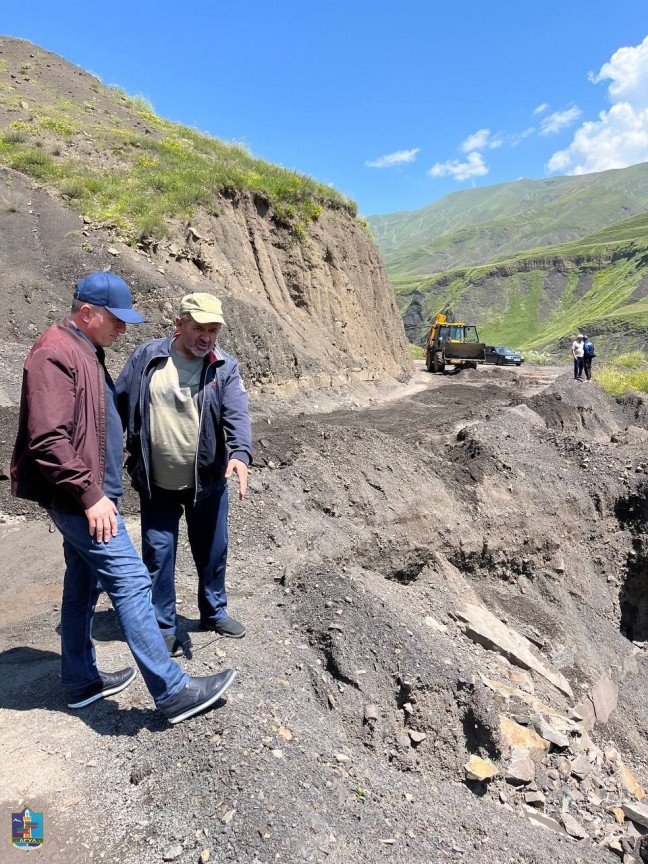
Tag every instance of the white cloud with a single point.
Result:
(400, 157)
(474, 166)
(517, 137)
(559, 120)
(620, 135)
(481, 140)
(540, 109)
(628, 72)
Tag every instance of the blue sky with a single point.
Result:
(394, 104)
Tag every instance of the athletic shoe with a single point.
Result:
(109, 684)
(225, 627)
(197, 695)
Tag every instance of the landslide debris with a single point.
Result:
(369, 540)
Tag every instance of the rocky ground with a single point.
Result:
(446, 608)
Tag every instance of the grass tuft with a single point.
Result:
(142, 104)
(14, 136)
(623, 373)
(8, 206)
(416, 352)
(630, 360)
(148, 180)
(35, 163)
(73, 187)
(59, 125)
(537, 358)
(615, 381)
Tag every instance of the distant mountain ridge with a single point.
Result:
(531, 262)
(540, 299)
(475, 226)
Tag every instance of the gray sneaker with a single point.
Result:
(198, 694)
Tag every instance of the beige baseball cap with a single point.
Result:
(203, 308)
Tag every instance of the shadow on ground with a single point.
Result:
(30, 679)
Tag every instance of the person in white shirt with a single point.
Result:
(578, 353)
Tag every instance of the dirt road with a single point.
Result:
(362, 527)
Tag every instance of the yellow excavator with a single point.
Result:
(452, 343)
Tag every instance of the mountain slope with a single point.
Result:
(474, 226)
(91, 179)
(539, 299)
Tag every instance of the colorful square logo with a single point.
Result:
(27, 829)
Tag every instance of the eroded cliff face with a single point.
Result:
(312, 307)
(308, 305)
(302, 313)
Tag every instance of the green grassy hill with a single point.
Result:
(119, 163)
(540, 298)
(475, 226)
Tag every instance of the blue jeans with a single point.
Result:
(207, 532)
(579, 362)
(120, 572)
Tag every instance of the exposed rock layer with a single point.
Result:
(314, 309)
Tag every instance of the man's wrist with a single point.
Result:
(240, 457)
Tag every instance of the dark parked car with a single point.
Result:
(502, 355)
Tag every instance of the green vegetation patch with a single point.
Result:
(14, 136)
(416, 352)
(623, 373)
(634, 360)
(147, 180)
(61, 126)
(538, 358)
(520, 320)
(614, 382)
(610, 288)
(34, 162)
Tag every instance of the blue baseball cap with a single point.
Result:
(110, 291)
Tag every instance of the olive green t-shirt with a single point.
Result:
(174, 421)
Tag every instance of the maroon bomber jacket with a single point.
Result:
(59, 457)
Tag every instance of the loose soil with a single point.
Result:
(366, 530)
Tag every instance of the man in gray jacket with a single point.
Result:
(186, 414)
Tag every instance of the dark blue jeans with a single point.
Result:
(120, 572)
(207, 531)
(579, 362)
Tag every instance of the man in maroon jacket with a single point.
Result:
(68, 458)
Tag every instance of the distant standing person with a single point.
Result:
(68, 458)
(588, 355)
(188, 431)
(578, 353)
